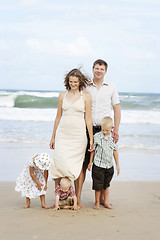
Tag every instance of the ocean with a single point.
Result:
(27, 118)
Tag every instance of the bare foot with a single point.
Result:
(80, 205)
(107, 205)
(102, 202)
(53, 206)
(96, 206)
(46, 207)
(27, 206)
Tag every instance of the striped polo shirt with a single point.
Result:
(104, 148)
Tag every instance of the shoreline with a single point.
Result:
(135, 165)
(135, 215)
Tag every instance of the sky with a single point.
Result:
(41, 40)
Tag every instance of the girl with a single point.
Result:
(32, 182)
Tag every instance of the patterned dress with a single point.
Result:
(25, 183)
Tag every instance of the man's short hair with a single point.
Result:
(100, 62)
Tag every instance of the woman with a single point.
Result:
(69, 133)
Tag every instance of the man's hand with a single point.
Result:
(115, 135)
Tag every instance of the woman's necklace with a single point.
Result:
(74, 93)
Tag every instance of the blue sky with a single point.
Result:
(41, 40)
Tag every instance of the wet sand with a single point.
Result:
(135, 215)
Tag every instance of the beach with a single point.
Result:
(26, 124)
(135, 215)
(134, 194)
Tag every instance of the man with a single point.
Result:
(104, 97)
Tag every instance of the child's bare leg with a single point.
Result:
(28, 202)
(97, 200)
(42, 197)
(106, 199)
(102, 197)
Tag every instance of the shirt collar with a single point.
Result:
(103, 83)
(103, 137)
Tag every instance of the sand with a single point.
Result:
(135, 215)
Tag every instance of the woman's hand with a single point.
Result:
(52, 143)
(45, 187)
(91, 149)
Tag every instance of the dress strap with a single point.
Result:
(66, 93)
(81, 92)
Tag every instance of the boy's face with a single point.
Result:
(106, 130)
(64, 189)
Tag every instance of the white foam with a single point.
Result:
(139, 146)
(30, 114)
(7, 101)
(26, 114)
(139, 116)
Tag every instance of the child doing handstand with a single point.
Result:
(102, 170)
(32, 182)
(65, 195)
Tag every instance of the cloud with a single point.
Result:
(79, 47)
(4, 46)
(142, 55)
(31, 2)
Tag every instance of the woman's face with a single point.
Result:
(74, 83)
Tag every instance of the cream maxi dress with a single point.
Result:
(70, 141)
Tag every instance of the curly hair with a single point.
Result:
(83, 80)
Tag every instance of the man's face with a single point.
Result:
(99, 71)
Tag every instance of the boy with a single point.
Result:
(102, 171)
(65, 195)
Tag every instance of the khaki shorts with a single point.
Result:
(66, 202)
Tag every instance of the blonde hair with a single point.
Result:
(107, 122)
(65, 182)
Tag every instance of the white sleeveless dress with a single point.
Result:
(70, 141)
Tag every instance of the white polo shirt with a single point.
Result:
(102, 101)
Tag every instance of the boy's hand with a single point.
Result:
(118, 170)
(39, 186)
(89, 166)
(56, 208)
(75, 207)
